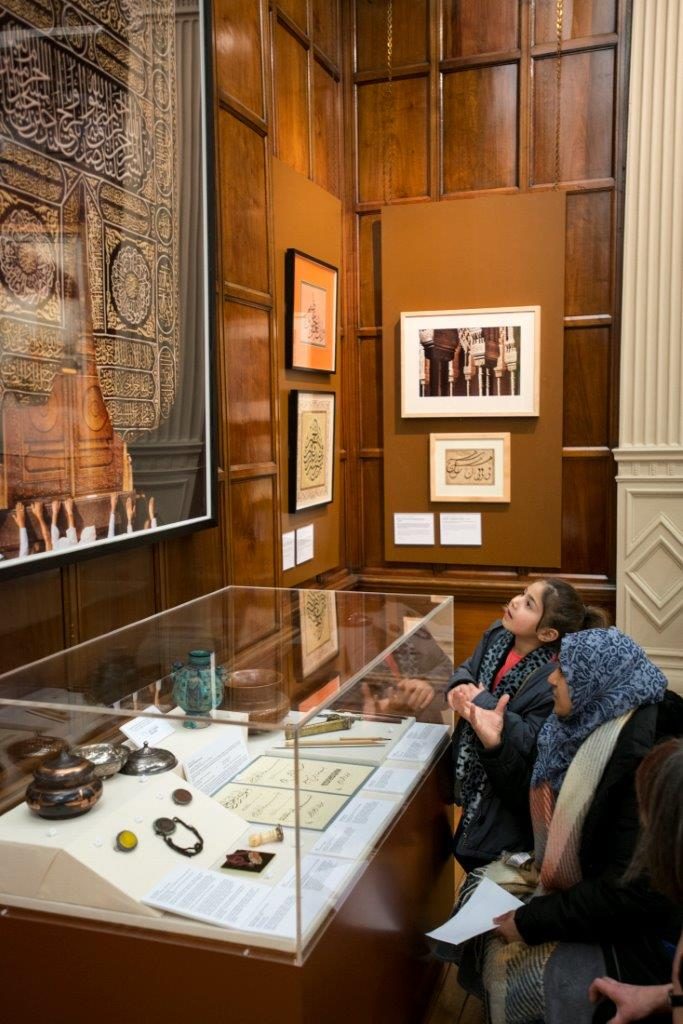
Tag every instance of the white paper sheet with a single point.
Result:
(392, 780)
(229, 903)
(288, 550)
(304, 544)
(148, 730)
(419, 742)
(355, 828)
(413, 528)
(476, 917)
(320, 874)
(216, 763)
(460, 528)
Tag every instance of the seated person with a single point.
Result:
(580, 916)
(659, 787)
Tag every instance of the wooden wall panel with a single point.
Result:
(193, 565)
(371, 391)
(248, 384)
(409, 145)
(296, 10)
(326, 130)
(253, 538)
(243, 204)
(513, 130)
(237, 37)
(486, 26)
(113, 591)
(370, 270)
(411, 39)
(589, 254)
(587, 522)
(372, 489)
(291, 99)
(586, 117)
(325, 28)
(586, 387)
(582, 18)
(480, 129)
(32, 620)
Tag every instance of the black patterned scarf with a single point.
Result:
(469, 774)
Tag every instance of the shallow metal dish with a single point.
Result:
(107, 759)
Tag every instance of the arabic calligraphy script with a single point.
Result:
(470, 465)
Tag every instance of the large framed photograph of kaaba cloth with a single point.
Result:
(105, 278)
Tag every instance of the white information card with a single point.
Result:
(460, 528)
(148, 730)
(413, 528)
(215, 764)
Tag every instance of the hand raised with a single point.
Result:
(462, 693)
(488, 723)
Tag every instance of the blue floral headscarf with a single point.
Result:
(608, 674)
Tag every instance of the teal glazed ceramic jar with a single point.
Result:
(198, 687)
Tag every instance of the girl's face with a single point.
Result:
(562, 704)
(524, 612)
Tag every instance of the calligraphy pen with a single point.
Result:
(367, 741)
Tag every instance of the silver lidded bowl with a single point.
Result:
(106, 758)
(149, 761)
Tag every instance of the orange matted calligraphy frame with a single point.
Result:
(310, 313)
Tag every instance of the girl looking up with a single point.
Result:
(514, 657)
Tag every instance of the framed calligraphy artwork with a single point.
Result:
(310, 313)
(469, 467)
(105, 278)
(319, 633)
(471, 362)
(311, 448)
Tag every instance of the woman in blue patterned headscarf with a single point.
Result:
(607, 674)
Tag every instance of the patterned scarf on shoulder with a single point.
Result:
(469, 773)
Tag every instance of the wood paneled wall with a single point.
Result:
(467, 107)
(473, 99)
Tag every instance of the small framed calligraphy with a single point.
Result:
(469, 467)
(310, 313)
(311, 448)
(318, 629)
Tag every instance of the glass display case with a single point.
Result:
(228, 770)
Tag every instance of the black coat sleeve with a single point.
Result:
(508, 768)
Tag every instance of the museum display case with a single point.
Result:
(226, 771)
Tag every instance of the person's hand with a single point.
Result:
(37, 509)
(20, 515)
(487, 722)
(506, 929)
(459, 695)
(633, 1002)
(408, 696)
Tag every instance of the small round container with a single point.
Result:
(107, 759)
(64, 787)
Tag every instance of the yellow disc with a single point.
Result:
(126, 841)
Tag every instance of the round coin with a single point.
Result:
(126, 841)
(164, 826)
(181, 797)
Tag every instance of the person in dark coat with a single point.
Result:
(515, 656)
(582, 916)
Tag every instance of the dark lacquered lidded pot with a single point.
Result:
(64, 787)
(28, 754)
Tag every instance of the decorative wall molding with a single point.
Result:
(650, 455)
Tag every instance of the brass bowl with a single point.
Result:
(105, 757)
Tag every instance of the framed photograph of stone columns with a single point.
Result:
(311, 448)
(106, 288)
(471, 362)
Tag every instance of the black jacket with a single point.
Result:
(496, 826)
(628, 920)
